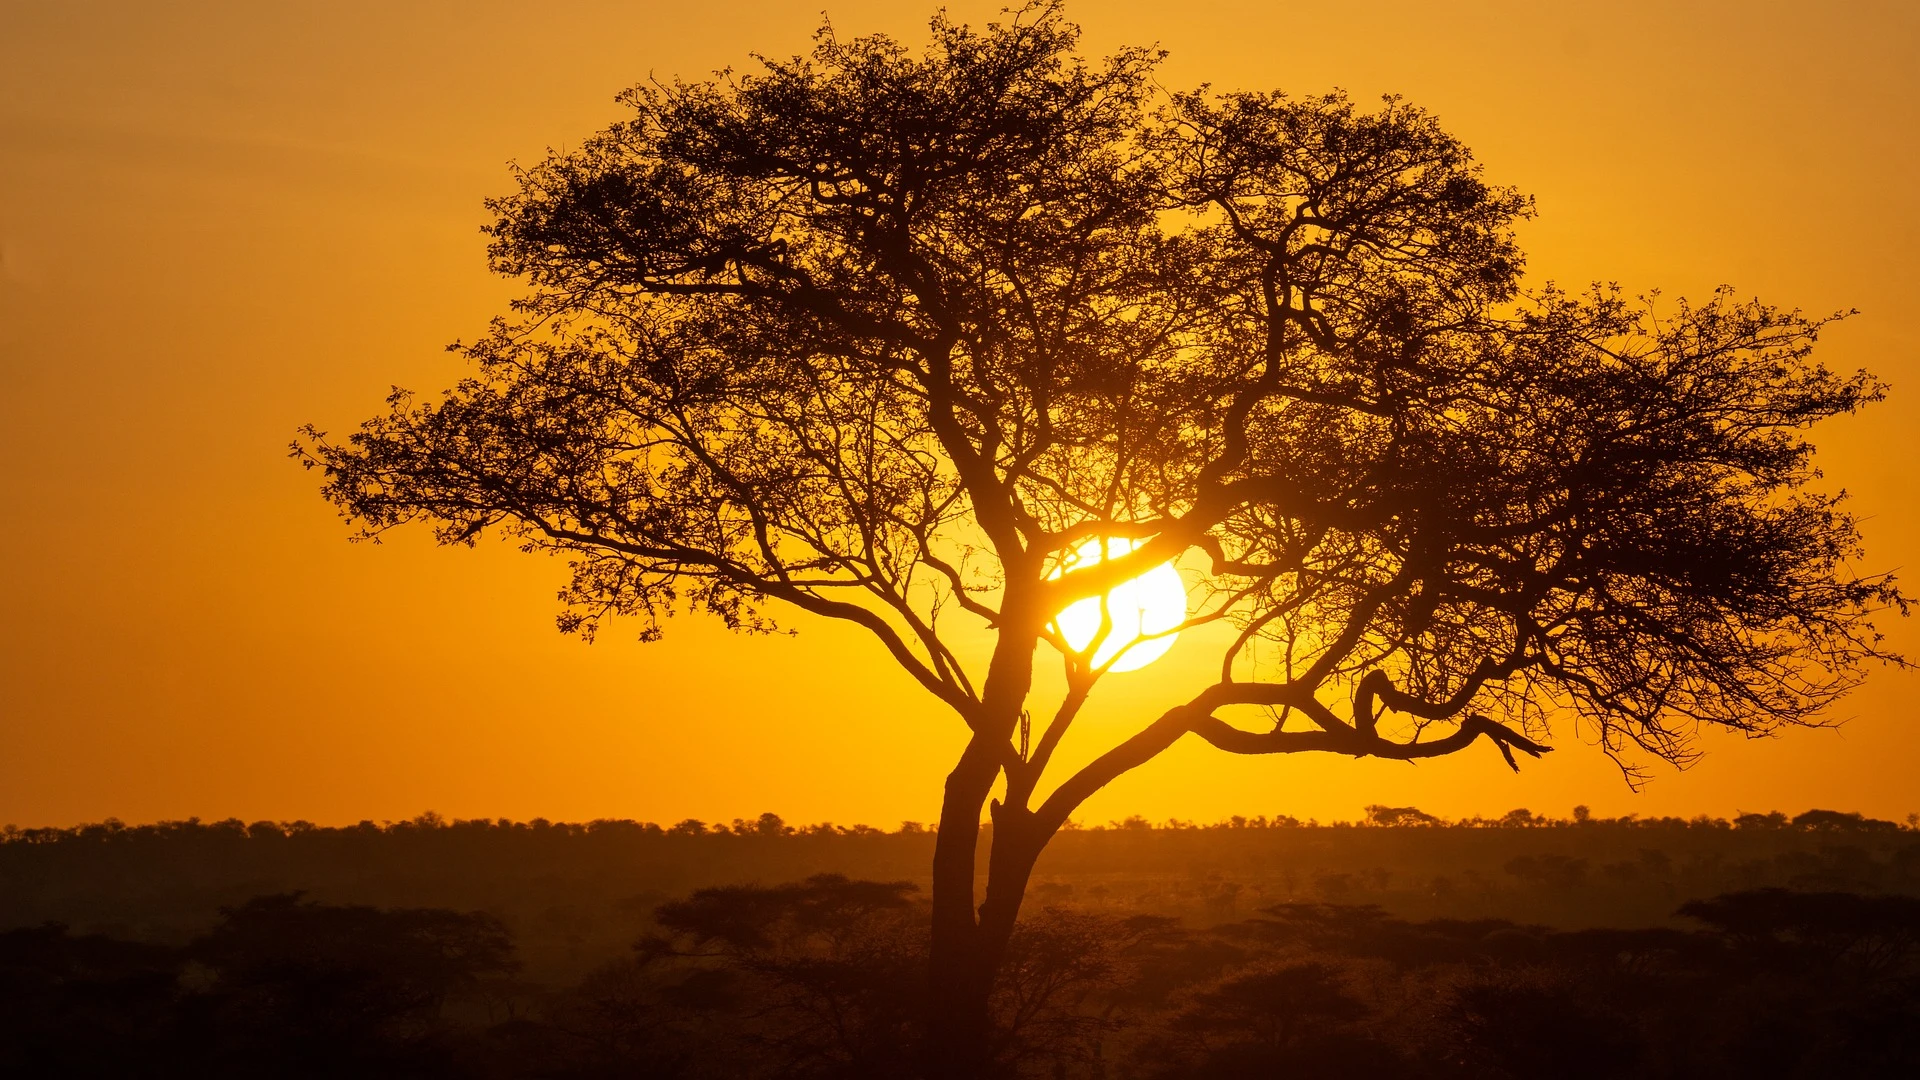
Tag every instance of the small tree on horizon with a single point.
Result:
(886, 337)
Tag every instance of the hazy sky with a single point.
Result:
(221, 220)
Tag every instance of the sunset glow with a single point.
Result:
(1144, 612)
(586, 540)
(283, 204)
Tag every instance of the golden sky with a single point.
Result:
(221, 220)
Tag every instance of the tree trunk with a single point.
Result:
(958, 1027)
(965, 954)
(968, 951)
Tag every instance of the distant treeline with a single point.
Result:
(769, 824)
(571, 893)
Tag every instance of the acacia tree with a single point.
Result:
(886, 337)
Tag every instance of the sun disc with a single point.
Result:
(1142, 614)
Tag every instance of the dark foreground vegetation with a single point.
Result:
(1398, 947)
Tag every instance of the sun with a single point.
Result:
(1144, 611)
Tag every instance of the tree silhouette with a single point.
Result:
(308, 989)
(886, 337)
(834, 962)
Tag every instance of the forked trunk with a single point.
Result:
(967, 950)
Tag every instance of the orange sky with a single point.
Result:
(221, 220)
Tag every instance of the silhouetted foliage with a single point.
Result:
(884, 337)
(826, 977)
(835, 968)
(1399, 816)
(1277, 1019)
(279, 987)
(1875, 932)
(572, 893)
(85, 1006)
(1522, 1024)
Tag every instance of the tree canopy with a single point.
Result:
(886, 335)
